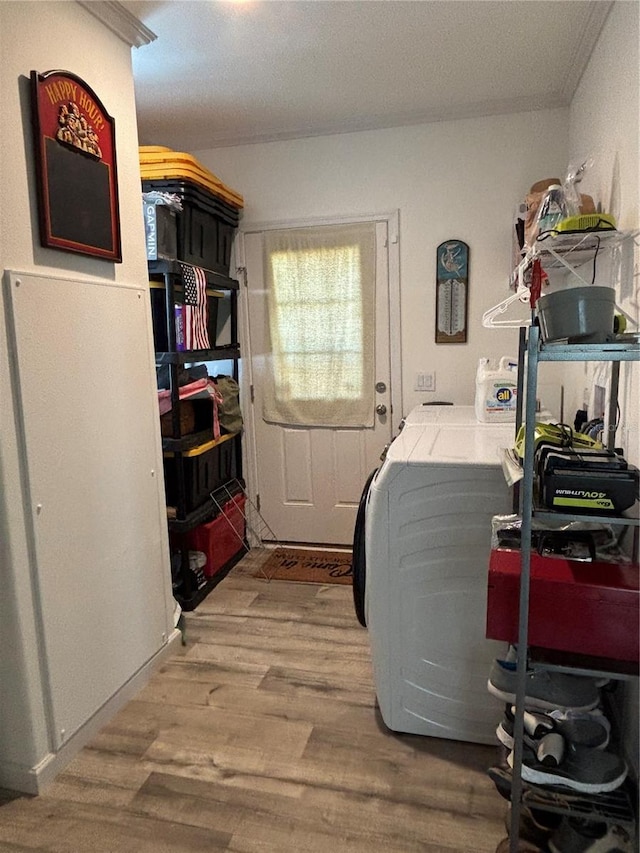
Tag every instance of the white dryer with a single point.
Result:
(427, 520)
(427, 413)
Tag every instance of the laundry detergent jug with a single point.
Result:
(497, 390)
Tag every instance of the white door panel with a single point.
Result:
(309, 479)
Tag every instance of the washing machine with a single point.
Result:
(424, 539)
(427, 413)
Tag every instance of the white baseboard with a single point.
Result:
(32, 780)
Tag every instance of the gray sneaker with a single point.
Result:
(584, 728)
(544, 690)
(590, 771)
(580, 836)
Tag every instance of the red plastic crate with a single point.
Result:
(586, 608)
(221, 538)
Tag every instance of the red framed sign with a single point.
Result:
(75, 148)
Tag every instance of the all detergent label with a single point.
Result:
(496, 391)
(501, 398)
(505, 396)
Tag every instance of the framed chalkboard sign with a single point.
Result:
(75, 149)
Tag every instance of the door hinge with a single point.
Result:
(252, 392)
(258, 502)
(242, 271)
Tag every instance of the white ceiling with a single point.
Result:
(228, 73)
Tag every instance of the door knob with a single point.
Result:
(381, 409)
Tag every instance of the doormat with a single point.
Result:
(307, 566)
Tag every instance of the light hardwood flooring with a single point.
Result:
(262, 734)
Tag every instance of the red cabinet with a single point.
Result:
(589, 608)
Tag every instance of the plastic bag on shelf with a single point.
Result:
(170, 200)
(229, 410)
(566, 199)
(577, 202)
(582, 541)
(533, 200)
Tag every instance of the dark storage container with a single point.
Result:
(204, 229)
(204, 239)
(192, 194)
(205, 468)
(159, 314)
(195, 416)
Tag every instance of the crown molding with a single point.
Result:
(582, 53)
(120, 21)
(200, 141)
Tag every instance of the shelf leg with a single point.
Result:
(612, 419)
(525, 571)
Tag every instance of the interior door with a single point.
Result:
(309, 479)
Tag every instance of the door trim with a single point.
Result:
(249, 449)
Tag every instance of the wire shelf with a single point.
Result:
(615, 807)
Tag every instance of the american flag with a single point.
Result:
(196, 334)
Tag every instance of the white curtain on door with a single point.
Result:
(320, 325)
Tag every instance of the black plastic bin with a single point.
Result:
(194, 194)
(205, 228)
(159, 314)
(204, 471)
(204, 239)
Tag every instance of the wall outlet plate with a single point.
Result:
(425, 382)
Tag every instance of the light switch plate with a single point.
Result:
(425, 382)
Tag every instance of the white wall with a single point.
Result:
(605, 125)
(44, 36)
(455, 179)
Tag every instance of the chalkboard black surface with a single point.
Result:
(79, 197)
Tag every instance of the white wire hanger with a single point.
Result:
(522, 295)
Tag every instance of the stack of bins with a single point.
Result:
(211, 211)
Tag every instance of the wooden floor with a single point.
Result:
(262, 734)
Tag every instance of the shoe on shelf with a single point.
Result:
(544, 690)
(505, 729)
(583, 728)
(501, 776)
(536, 825)
(580, 836)
(197, 560)
(589, 771)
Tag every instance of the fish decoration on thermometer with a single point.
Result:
(452, 283)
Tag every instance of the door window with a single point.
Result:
(320, 325)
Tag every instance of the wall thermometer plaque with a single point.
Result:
(452, 292)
